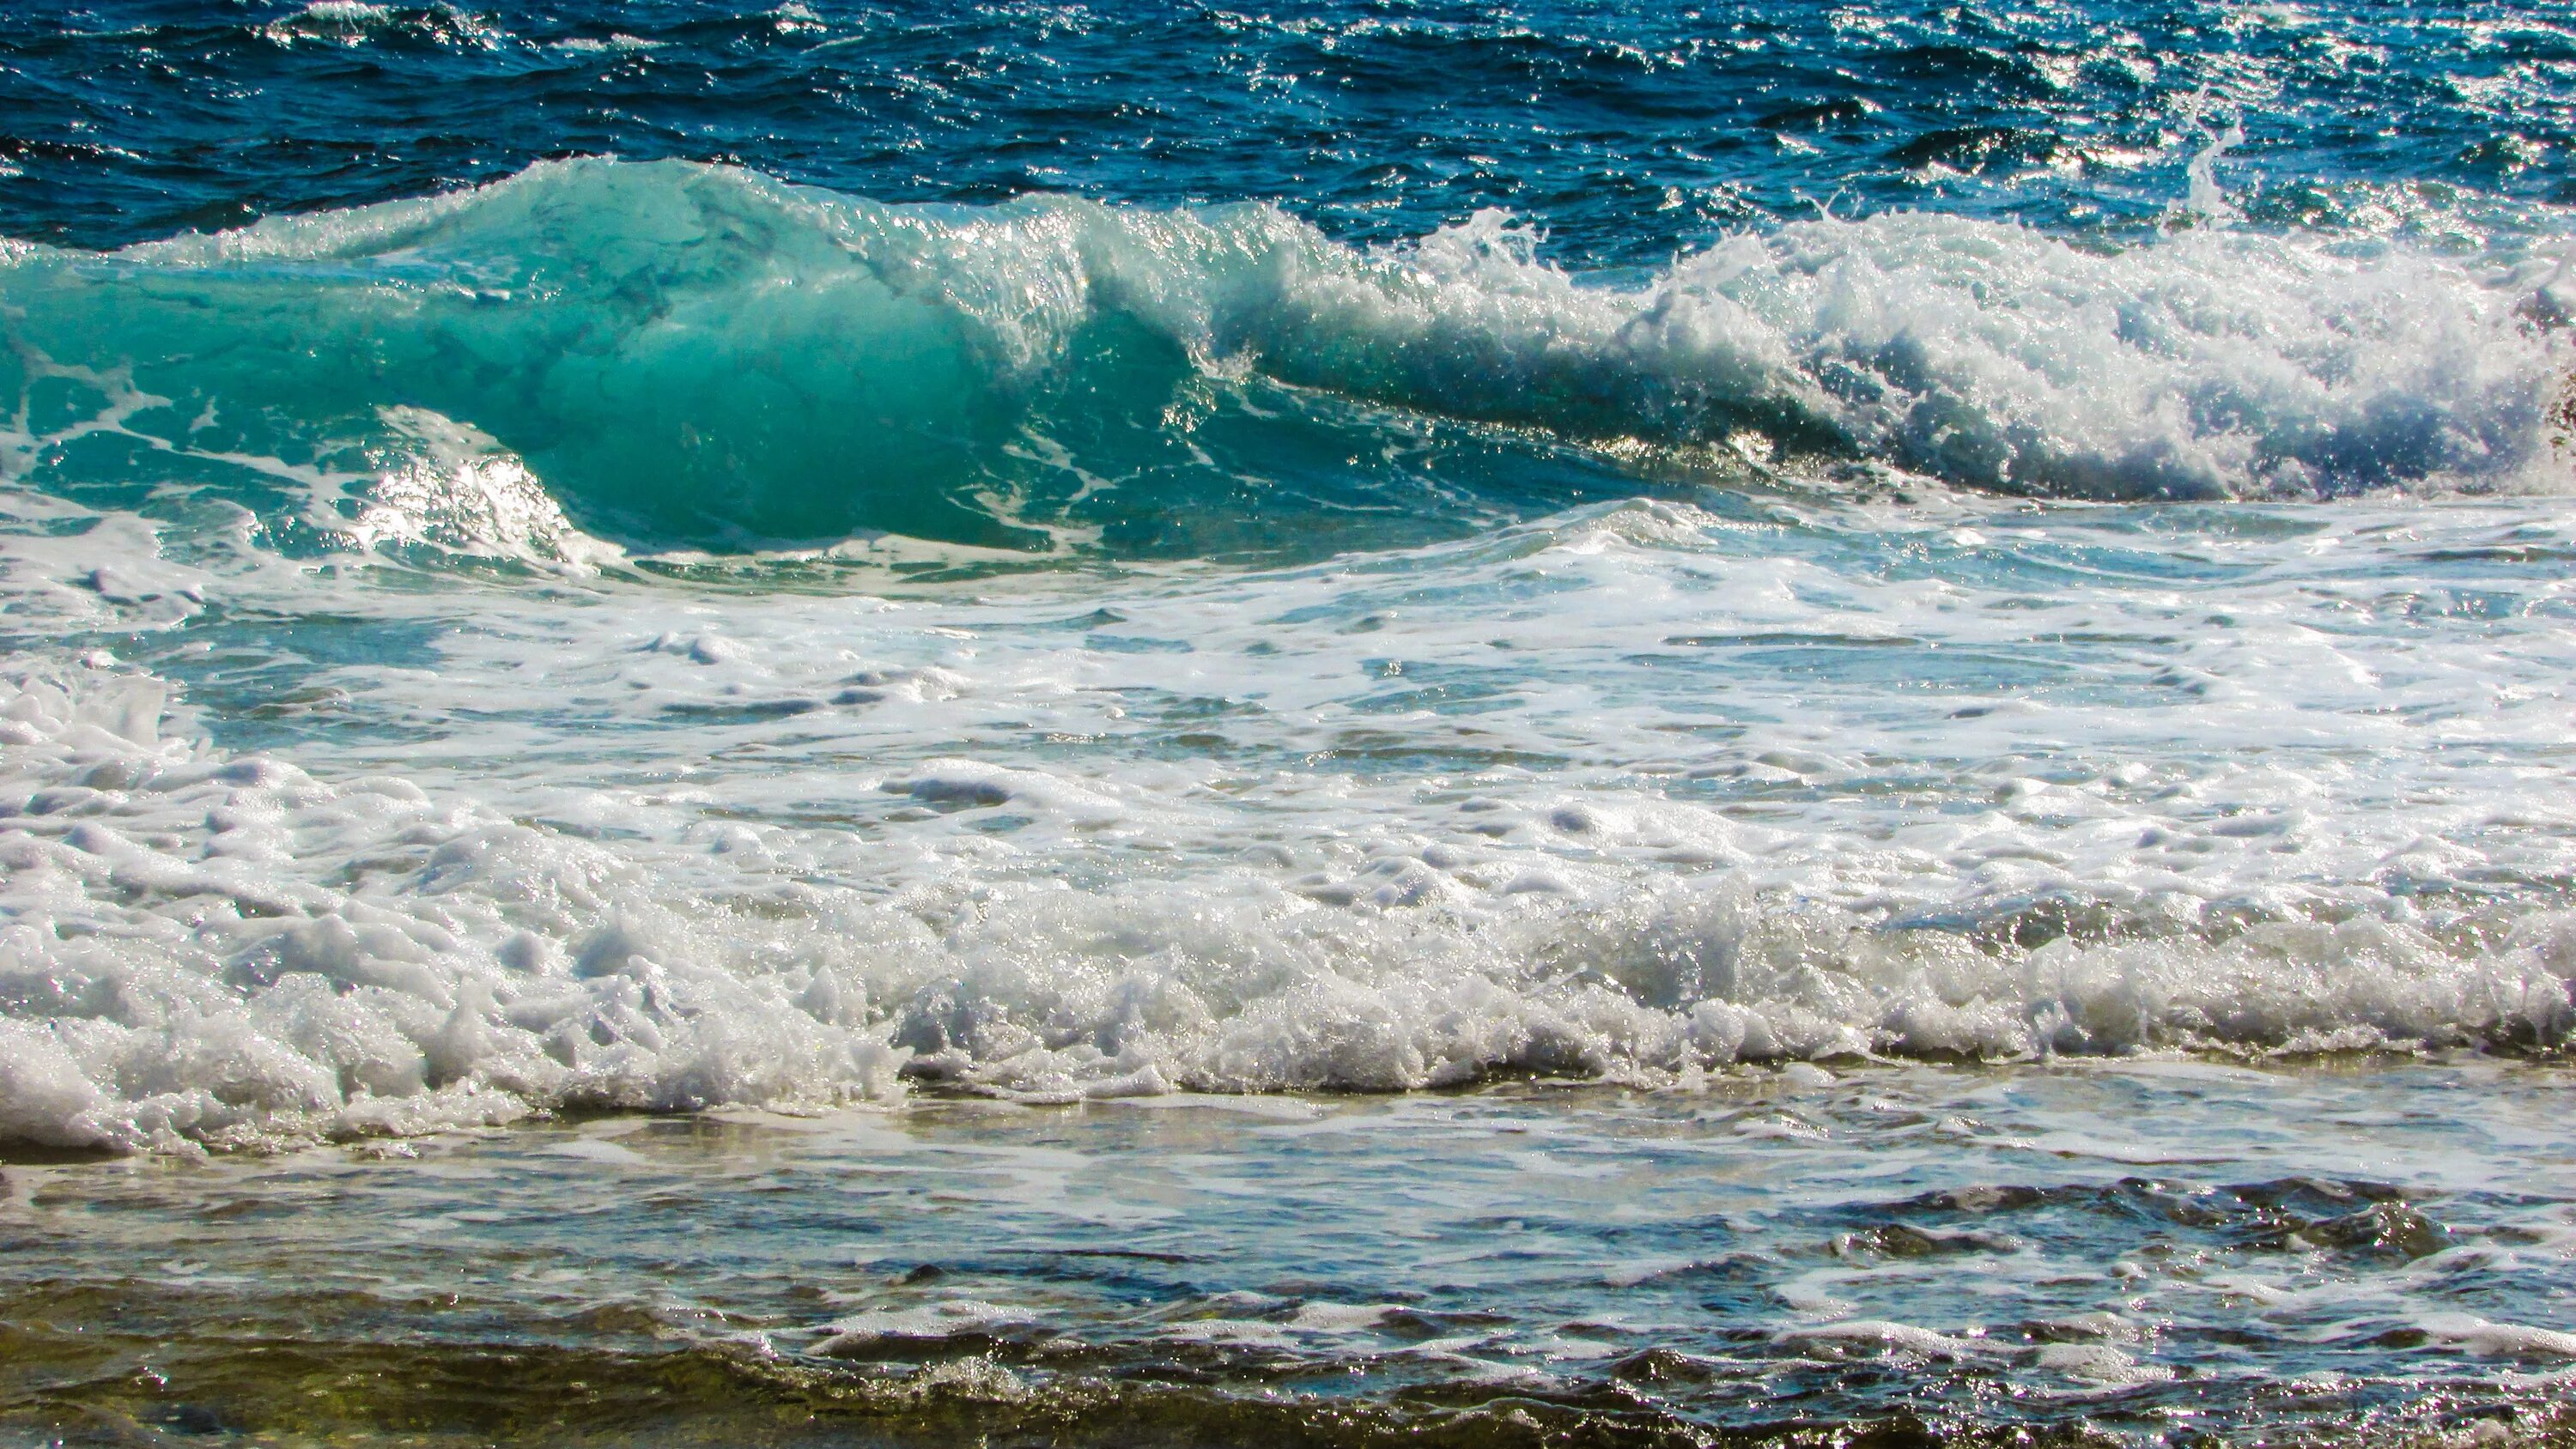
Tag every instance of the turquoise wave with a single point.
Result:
(692, 356)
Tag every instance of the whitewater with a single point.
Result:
(1858, 725)
(1806, 770)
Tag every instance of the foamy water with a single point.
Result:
(1634, 792)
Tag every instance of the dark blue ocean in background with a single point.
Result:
(1628, 133)
(1335, 725)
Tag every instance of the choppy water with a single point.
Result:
(884, 563)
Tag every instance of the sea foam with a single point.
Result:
(214, 948)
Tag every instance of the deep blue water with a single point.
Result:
(1627, 131)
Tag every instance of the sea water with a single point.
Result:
(1338, 724)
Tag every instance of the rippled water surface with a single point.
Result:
(2141, 1249)
(1627, 129)
(1354, 723)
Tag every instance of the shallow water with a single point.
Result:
(1749, 722)
(2139, 1249)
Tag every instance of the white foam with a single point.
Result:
(2499, 1340)
(176, 973)
(1892, 1337)
(354, 22)
(948, 1318)
(457, 489)
(214, 948)
(1738, 791)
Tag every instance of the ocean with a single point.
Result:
(1350, 723)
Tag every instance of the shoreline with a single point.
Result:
(1923, 1255)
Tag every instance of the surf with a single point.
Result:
(690, 356)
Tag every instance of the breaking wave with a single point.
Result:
(697, 356)
(212, 948)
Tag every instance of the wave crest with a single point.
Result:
(699, 356)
